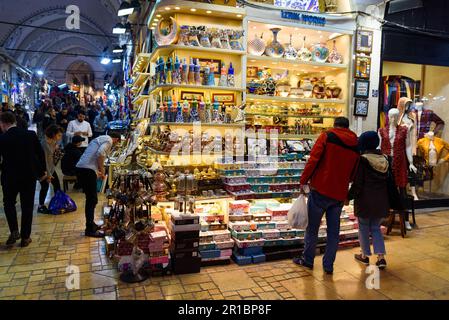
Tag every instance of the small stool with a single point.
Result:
(66, 180)
(392, 219)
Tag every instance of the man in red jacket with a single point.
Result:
(330, 169)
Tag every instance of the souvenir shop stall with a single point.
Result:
(414, 96)
(229, 103)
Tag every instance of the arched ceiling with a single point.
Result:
(96, 17)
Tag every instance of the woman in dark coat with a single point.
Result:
(370, 193)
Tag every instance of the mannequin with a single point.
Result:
(424, 120)
(395, 143)
(408, 119)
(432, 147)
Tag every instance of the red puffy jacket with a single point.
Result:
(332, 164)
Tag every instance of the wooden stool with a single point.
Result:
(392, 219)
(66, 180)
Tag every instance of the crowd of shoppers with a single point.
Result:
(63, 134)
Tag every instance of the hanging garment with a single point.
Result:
(424, 148)
(424, 122)
(400, 163)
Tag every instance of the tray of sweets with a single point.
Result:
(163, 252)
(221, 235)
(266, 225)
(348, 226)
(300, 233)
(182, 219)
(281, 210)
(226, 253)
(285, 234)
(247, 235)
(206, 237)
(255, 209)
(244, 217)
(233, 172)
(240, 226)
(218, 226)
(185, 227)
(212, 217)
(249, 243)
(273, 242)
(159, 260)
(210, 253)
(282, 225)
(234, 179)
(207, 246)
(229, 244)
(270, 234)
(260, 217)
(292, 241)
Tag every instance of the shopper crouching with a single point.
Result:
(89, 168)
(370, 193)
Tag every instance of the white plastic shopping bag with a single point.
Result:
(298, 215)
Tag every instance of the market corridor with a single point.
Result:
(418, 269)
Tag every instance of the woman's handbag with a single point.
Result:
(61, 203)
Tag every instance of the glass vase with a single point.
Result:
(275, 49)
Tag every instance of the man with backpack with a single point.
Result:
(329, 170)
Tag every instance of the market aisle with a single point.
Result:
(418, 269)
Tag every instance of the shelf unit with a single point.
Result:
(140, 98)
(220, 125)
(304, 66)
(274, 99)
(167, 87)
(290, 116)
(141, 62)
(169, 49)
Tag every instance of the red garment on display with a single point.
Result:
(400, 163)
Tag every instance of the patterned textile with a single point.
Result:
(400, 164)
(424, 122)
(306, 5)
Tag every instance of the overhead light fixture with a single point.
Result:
(155, 19)
(116, 60)
(208, 11)
(125, 9)
(154, 24)
(158, 15)
(118, 49)
(239, 16)
(167, 8)
(105, 60)
(40, 72)
(193, 9)
(177, 8)
(119, 28)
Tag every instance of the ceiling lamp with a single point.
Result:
(125, 9)
(105, 60)
(119, 28)
(118, 49)
(116, 60)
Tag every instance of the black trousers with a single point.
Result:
(26, 190)
(87, 178)
(45, 186)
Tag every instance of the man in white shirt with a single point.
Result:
(79, 127)
(89, 168)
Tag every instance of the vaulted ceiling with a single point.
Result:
(97, 17)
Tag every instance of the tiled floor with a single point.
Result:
(418, 269)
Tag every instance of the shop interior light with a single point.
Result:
(105, 60)
(40, 72)
(116, 60)
(155, 19)
(177, 8)
(193, 9)
(118, 49)
(119, 28)
(167, 8)
(125, 9)
(158, 15)
(239, 16)
(208, 11)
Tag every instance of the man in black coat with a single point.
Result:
(22, 163)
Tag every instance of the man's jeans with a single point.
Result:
(371, 226)
(317, 205)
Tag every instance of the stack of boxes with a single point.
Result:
(185, 229)
(159, 256)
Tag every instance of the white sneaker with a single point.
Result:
(408, 226)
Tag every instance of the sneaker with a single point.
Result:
(408, 226)
(300, 261)
(382, 264)
(42, 209)
(13, 238)
(25, 242)
(94, 234)
(360, 258)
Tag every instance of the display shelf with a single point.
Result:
(168, 87)
(289, 116)
(304, 66)
(140, 79)
(169, 49)
(282, 136)
(170, 7)
(139, 99)
(255, 97)
(142, 59)
(191, 124)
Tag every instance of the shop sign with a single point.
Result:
(303, 18)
